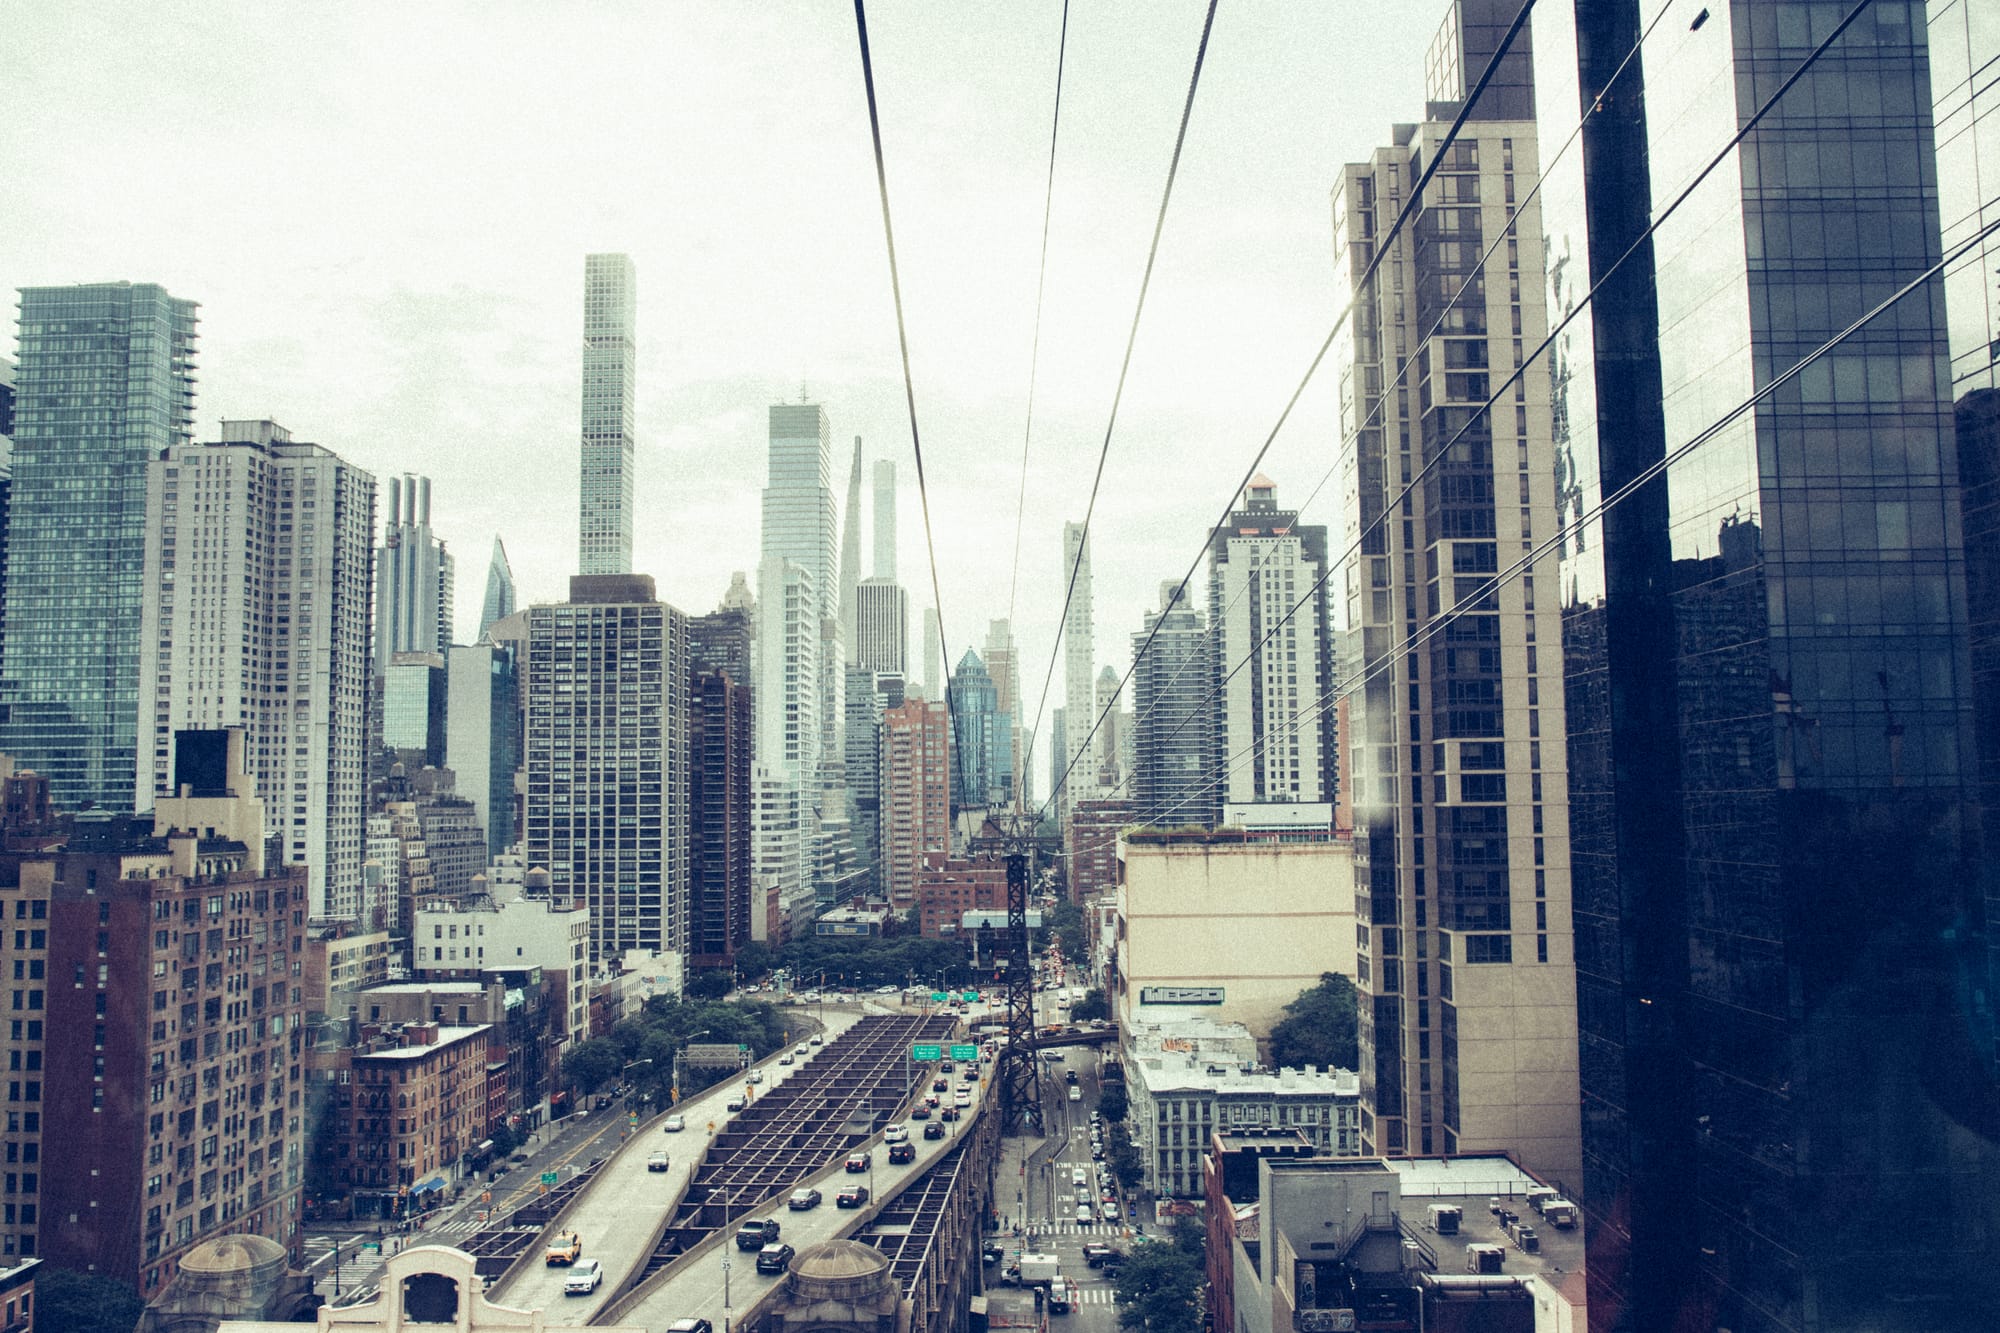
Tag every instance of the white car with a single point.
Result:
(1110, 1210)
(1083, 1212)
(675, 1124)
(896, 1134)
(583, 1277)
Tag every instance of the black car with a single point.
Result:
(940, 1084)
(803, 1198)
(774, 1258)
(933, 1130)
(757, 1233)
(948, 1113)
(944, 1066)
(851, 1197)
(994, 1252)
(903, 1152)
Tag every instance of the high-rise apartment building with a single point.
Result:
(884, 534)
(1465, 970)
(414, 701)
(607, 760)
(882, 626)
(482, 729)
(779, 856)
(610, 401)
(1170, 718)
(69, 706)
(1273, 665)
(499, 602)
(1079, 673)
(414, 578)
(719, 866)
(6, 482)
(850, 560)
(156, 1103)
(869, 695)
(256, 616)
(1003, 664)
(916, 794)
(1112, 725)
(1781, 915)
(934, 676)
(725, 640)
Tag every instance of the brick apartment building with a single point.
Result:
(407, 1102)
(156, 1021)
(949, 887)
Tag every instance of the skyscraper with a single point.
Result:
(882, 626)
(77, 532)
(1003, 663)
(885, 520)
(1272, 665)
(1460, 816)
(1079, 672)
(719, 865)
(413, 577)
(850, 560)
(607, 760)
(499, 603)
(1170, 682)
(256, 574)
(482, 723)
(6, 482)
(982, 738)
(1781, 916)
(610, 312)
(934, 680)
(1109, 747)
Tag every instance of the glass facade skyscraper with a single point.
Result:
(105, 382)
(1783, 991)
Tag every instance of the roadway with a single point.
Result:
(623, 1209)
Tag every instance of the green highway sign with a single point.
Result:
(926, 1051)
(970, 997)
(965, 1052)
(939, 997)
(549, 1177)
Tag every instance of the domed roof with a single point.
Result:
(839, 1259)
(232, 1254)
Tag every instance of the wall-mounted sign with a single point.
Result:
(1180, 995)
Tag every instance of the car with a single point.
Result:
(1111, 1213)
(566, 1248)
(993, 1253)
(859, 1161)
(963, 1097)
(921, 1111)
(810, 997)
(1079, 1176)
(801, 1050)
(934, 1130)
(1107, 1194)
(497, 1172)
(896, 1133)
(1061, 1297)
(945, 1066)
(902, 1152)
(757, 1233)
(885, 990)
(690, 1326)
(931, 1100)
(1083, 1213)
(1075, 1093)
(657, 1162)
(674, 1124)
(948, 1113)
(971, 1074)
(940, 1085)
(518, 1158)
(1096, 1253)
(817, 1040)
(1069, 1076)
(1096, 1152)
(735, 1103)
(754, 1076)
(803, 1198)
(774, 1258)
(583, 1278)
(785, 1059)
(851, 1197)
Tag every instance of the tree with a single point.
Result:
(1123, 1155)
(504, 1139)
(1319, 1028)
(84, 1302)
(1111, 1102)
(709, 985)
(1091, 1006)
(593, 1064)
(1159, 1285)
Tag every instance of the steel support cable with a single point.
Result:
(1034, 358)
(1382, 399)
(1104, 452)
(909, 385)
(1444, 451)
(1653, 471)
(1403, 217)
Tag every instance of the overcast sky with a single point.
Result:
(383, 210)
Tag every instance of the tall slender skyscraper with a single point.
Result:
(105, 383)
(934, 678)
(1782, 912)
(1079, 672)
(1457, 759)
(1170, 682)
(256, 573)
(885, 519)
(850, 561)
(499, 603)
(610, 312)
(413, 577)
(1003, 662)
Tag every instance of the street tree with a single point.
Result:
(1319, 1028)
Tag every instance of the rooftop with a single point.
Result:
(446, 1036)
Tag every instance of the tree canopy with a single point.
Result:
(1159, 1287)
(1319, 1028)
(1092, 1005)
(84, 1302)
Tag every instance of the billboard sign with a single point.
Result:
(1180, 995)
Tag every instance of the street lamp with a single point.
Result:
(725, 1291)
